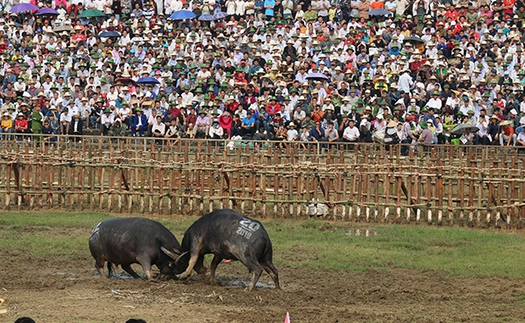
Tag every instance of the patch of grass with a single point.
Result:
(300, 244)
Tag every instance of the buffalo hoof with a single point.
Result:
(213, 281)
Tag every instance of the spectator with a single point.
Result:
(507, 135)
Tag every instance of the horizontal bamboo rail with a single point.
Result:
(445, 185)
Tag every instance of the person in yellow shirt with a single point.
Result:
(6, 126)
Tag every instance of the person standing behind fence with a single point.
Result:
(36, 122)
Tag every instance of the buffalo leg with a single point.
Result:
(256, 269)
(272, 271)
(130, 271)
(189, 270)
(110, 269)
(99, 265)
(199, 266)
(146, 267)
(213, 267)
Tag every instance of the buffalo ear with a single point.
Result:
(170, 254)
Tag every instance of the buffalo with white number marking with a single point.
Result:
(227, 235)
(134, 240)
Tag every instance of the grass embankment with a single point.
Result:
(300, 244)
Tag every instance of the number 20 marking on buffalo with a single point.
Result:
(247, 228)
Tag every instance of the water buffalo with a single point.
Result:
(134, 240)
(227, 235)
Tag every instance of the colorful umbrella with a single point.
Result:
(182, 14)
(220, 15)
(22, 7)
(46, 11)
(90, 13)
(207, 17)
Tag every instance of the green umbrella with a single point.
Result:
(91, 13)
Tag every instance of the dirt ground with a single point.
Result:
(69, 292)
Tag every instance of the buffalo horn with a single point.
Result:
(170, 254)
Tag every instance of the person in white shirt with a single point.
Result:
(106, 120)
(435, 102)
(292, 134)
(405, 81)
(159, 128)
(216, 131)
(65, 121)
(351, 133)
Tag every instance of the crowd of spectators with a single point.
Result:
(393, 71)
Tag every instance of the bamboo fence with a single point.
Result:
(447, 185)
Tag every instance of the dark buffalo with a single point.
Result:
(227, 235)
(134, 240)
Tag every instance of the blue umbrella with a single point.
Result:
(21, 7)
(316, 76)
(148, 80)
(46, 11)
(182, 14)
(109, 34)
(207, 17)
(379, 12)
(220, 15)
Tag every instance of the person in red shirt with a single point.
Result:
(273, 107)
(226, 122)
(21, 124)
(508, 7)
(376, 4)
(452, 13)
(507, 135)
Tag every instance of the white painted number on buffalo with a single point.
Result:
(95, 230)
(247, 227)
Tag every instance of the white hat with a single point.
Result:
(513, 111)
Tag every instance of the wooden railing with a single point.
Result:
(476, 185)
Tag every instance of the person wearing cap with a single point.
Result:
(507, 136)
(21, 124)
(139, 124)
(426, 138)
(405, 82)
(292, 134)
(202, 125)
(37, 117)
(106, 121)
